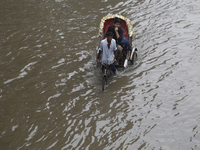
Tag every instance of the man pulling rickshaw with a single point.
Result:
(108, 50)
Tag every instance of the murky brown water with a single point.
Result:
(50, 89)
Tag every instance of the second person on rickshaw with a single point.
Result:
(121, 41)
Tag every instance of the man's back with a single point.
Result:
(107, 53)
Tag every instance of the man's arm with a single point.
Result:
(100, 50)
(115, 52)
(117, 33)
(98, 56)
(120, 32)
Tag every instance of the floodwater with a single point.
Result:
(50, 85)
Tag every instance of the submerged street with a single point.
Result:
(50, 85)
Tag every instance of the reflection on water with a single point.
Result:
(50, 93)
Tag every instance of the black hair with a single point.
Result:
(117, 20)
(109, 34)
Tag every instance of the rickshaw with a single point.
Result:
(127, 56)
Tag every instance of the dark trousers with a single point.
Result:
(112, 67)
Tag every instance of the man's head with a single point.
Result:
(117, 22)
(109, 36)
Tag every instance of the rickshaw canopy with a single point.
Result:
(108, 20)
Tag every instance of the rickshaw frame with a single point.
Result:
(128, 55)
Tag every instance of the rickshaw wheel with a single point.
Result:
(134, 58)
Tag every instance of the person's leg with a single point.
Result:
(103, 71)
(119, 49)
(113, 68)
(119, 54)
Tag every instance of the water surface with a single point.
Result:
(50, 86)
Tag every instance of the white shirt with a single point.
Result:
(107, 53)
